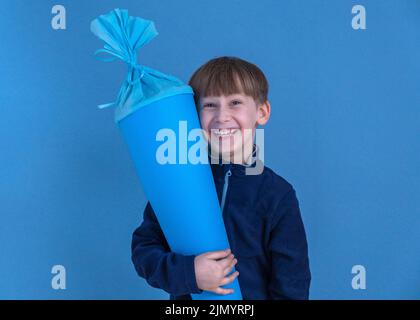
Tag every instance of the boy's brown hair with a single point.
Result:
(229, 75)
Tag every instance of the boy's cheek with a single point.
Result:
(206, 135)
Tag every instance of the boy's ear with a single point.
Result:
(263, 113)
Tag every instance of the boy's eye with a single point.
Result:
(236, 102)
(208, 105)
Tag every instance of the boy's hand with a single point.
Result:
(212, 269)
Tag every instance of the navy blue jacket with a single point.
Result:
(265, 231)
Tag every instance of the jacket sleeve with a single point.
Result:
(290, 275)
(154, 261)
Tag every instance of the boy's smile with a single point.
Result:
(230, 122)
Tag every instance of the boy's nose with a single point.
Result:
(222, 115)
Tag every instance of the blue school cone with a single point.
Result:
(183, 195)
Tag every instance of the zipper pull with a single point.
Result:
(225, 187)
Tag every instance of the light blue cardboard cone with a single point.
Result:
(183, 195)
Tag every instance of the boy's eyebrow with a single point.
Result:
(235, 95)
(231, 96)
(207, 99)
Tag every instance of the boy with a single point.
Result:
(260, 211)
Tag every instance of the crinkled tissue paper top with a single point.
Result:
(123, 36)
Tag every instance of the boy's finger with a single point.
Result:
(226, 262)
(230, 267)
(218, 254)
(222, 291)
(230, 278)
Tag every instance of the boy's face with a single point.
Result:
(230, 122)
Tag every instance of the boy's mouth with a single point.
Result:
(224, 132)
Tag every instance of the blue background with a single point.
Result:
(344, 131)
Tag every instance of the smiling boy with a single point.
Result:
(229, 124)
(268, 246)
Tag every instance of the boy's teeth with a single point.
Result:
(223, 132)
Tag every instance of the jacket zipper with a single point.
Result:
(225, 188)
